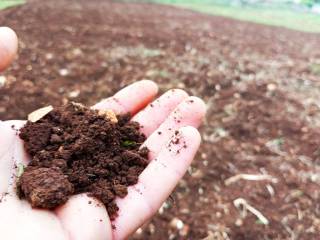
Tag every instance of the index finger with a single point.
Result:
(130, 99)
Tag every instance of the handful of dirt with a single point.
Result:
(74, 150)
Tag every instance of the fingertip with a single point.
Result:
(192, 134)
(179, 92)
(200, 105)
(149, 84)
(137, 95)
(9, 38)
(8, 46)
(130, 99)
(156, 112)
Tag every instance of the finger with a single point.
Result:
(11, 154)
(85, 211)
(8, 46)
(156, 182)
(188, 113)
(156, 112)
(130, 99)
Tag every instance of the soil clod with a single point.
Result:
(74, 150)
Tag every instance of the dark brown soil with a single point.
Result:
(261, 84)
(79, 150)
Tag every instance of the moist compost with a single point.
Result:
(74, 150)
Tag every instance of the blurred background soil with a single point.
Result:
(261, 84)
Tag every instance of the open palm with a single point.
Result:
(172, 115)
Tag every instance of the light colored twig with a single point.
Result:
(250, 177)
(246, 206)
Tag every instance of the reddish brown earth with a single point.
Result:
(262, 88)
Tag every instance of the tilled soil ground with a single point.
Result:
(262, 88)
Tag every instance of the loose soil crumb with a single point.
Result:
(78, 150)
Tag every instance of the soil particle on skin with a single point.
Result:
(75, 150)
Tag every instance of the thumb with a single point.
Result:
(8, 46)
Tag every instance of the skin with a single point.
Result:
(78, 220)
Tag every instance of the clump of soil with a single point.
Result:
(45, 187)
(74, 150)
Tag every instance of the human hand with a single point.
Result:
(77, 220)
